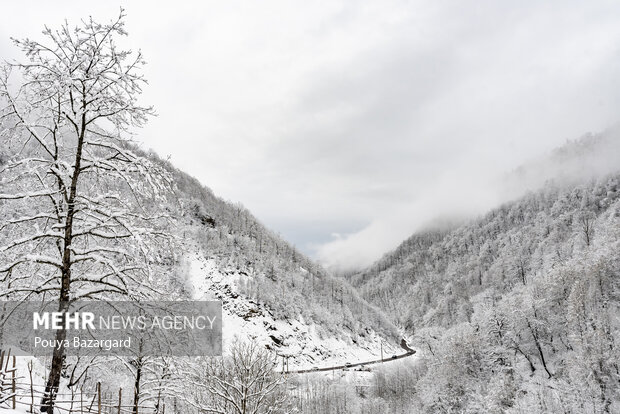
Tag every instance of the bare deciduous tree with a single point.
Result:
(246, 382)
(586, 222)
(77, 202)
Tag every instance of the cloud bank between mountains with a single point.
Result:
(455, 198)
(346, 126)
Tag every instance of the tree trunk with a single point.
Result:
(539, 348)
(58, 358)
(136, 394)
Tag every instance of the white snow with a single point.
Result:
(306, 344)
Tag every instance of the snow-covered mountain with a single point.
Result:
(518, 310)
(307, 343)
(578, 160)
(271, 293)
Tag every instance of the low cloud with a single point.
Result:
(464, 193)
(365, 119)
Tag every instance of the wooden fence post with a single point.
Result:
(30, 367)
(98, 398)
(1, 372)
(120, 399)
(13, 387)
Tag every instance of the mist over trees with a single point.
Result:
(517, 311)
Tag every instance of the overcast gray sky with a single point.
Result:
(346, 125)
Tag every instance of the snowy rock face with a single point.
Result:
(306, 344)
(271, 293)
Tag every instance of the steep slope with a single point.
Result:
(510, 246)
(190, 245)
(271, 293)
(516, 311)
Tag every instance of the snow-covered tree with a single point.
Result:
(245, 382)
(80, 210)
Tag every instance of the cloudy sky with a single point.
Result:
(347, 125)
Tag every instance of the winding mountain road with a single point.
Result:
(357, 364)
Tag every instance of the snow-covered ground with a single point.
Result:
(245, 319)
(66, 397)
(22, 379)
(305, 344)
(16, 411)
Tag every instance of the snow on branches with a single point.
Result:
(82, 213)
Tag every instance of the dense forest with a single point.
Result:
(516, 311)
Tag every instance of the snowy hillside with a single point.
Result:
(517, 311)
(271, 293)
(346, 128)
(306, 343)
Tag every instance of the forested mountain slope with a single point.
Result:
(264, 280)
(86, 215)
(167, 237)
(271, 293)
(518, 311)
